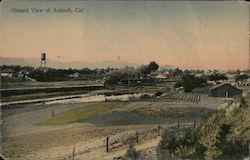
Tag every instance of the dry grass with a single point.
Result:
(82, 113)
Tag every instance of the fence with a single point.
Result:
(114, 143)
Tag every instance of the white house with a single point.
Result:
(7, 72)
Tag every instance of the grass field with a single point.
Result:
(82, 113)
(12, 80)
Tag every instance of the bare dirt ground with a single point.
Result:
(24, 140)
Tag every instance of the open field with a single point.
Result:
(82, 113)
(86, 126)
(12, 80)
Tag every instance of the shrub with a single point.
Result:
(218, 136)
(132, 154)
(158, 94)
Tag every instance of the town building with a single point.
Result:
(7, 72)
(225, 90)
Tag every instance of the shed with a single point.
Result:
(225, 90)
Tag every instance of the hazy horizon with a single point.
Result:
(185, 34)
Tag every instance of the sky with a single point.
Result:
(195, 34)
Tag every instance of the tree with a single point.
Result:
(114, 77)
(132, 154)
(178, 72)
(144, 70)
(189, 82)
(152, 67)
(122, 75)
(242, 77)
(216, 77)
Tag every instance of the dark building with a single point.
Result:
(225, 90)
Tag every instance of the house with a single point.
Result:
(7, 72)
(75, 75)
(247, 82)
(225, 90)
(22, 74)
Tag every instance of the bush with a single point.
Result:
(132, 154)
(176, 143)
(157, 94)
(190, 82)
(219, 136)
(216, 77)
(242, 77)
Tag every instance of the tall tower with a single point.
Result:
(43, 60)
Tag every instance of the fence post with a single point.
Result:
(52, 113)
(158, 130)
(137, 137)
(194, 124)
(73, 153)
(178, 124)
(195, 136)
(107, 144)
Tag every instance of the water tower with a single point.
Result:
(43, 60)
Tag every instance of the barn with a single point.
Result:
(225, 90)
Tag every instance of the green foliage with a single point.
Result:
(242, 77)
(158, 93)
(179, 143)
(216, 77)
(178, 72)
(189, 82)
(58, 74)
(12, 80)
(152, 67)
(168, 139)
(147, 69)
(178, 84)
(219, 136)
(216, 132)
(16, 68)
(132, 154)
(52, 74)
(115, 76)
(122, 75)
(82, 113)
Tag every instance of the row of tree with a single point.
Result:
(113, 75)
(51, 74)
(127, 73)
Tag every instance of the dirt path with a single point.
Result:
(58, 144)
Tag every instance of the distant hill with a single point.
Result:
(57, 64)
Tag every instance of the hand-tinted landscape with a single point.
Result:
(125, 80)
